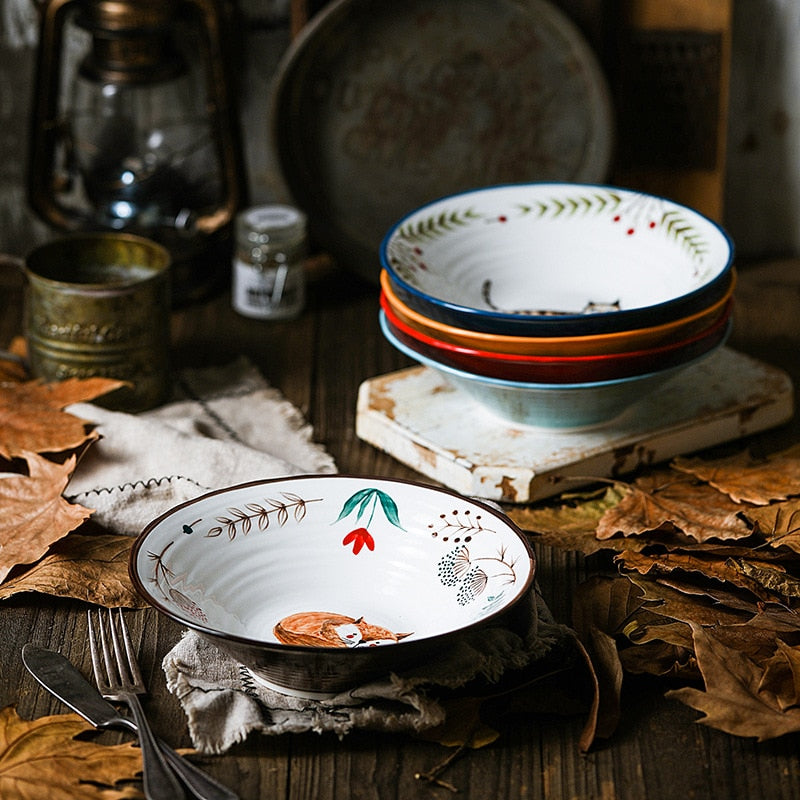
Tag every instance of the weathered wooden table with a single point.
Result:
(318, 362)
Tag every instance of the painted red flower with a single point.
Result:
(358, 538)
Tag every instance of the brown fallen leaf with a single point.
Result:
(722, 569)
(782, 676)
(44, 758)
(602, 607)
(755, 636)
(93, 568)
(778, 523)
(606, 603)
(745, 479)
(773, 577)
(697, 510)
(462, 726)
(32, 419)
(774, 616)
(664, 600)
(734, 700)
(660, 659)
(34, 512)
(571, 524)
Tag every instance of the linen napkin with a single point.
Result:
(224, 703)
(224, 425)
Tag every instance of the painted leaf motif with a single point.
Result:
(364, 499)
(35, 514)
(45, 758)
(299, 505)
(350, 504)
(390, 509)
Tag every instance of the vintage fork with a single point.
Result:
(117, 675)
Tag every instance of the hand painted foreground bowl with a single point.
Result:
(549, 405)
(556, 259)
(320, 583)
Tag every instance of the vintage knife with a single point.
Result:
(60, 677)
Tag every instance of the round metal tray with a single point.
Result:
(380, 107)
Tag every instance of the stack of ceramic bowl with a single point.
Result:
(556, 304)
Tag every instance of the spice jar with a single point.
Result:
(268, 280)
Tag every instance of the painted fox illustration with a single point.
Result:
(323, 629)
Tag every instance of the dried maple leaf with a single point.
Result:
(697, 510)
(774, 616)
(779, 523)
(601, 608)
(44, 758)
(571, 525)
(723, 569)
(782, 676)
(661, 659)
(92, 568)
(773, 578)
(734, 700)
(746, 480)
(668, 601)
(605, 603)
(32, 419)
(748, 629)
(34, 513)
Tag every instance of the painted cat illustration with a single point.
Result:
(324, 629)
(591, 306)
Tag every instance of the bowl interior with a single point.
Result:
(331, 561)
(554, 251)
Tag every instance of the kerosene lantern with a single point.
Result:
(134, 128)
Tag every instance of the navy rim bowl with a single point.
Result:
(487, 321)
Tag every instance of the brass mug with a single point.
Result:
(98, 304)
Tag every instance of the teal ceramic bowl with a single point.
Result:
(550, 405)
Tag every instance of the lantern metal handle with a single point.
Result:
(47, 131)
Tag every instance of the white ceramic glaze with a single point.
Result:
(566, 258)
(319, 582)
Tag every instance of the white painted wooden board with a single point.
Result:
(417, 417)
